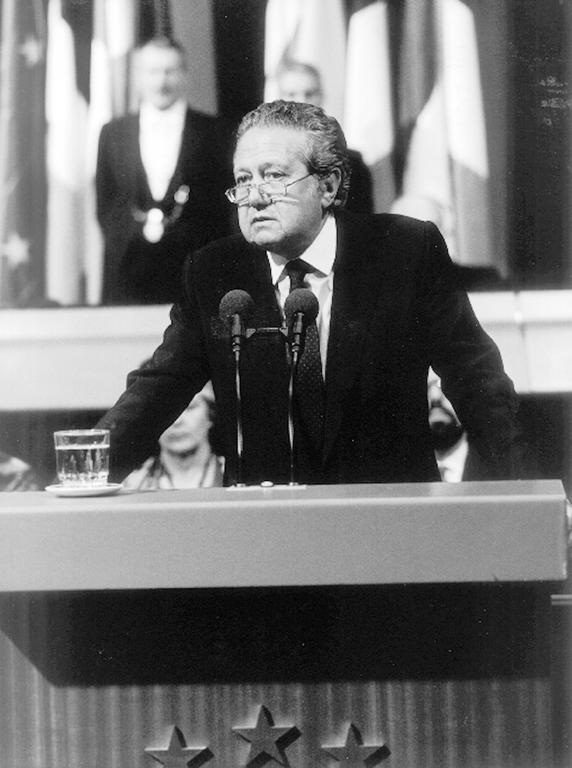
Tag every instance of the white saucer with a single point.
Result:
(96, 490)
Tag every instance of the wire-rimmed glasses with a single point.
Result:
(266, 189)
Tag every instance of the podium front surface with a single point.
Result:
(402, 625)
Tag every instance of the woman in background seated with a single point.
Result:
(16, 475)
(186, 457)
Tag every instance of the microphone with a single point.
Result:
(235, 309)
(301, 308)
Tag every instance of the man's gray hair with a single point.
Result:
(326, 148)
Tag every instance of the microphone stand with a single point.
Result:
(234, 309)
(237, 332)
(297, 330)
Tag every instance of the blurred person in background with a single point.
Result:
(16, 475)
(159, 178)
(298, 81)
(186, 457)
(456, 460)
(449, 438)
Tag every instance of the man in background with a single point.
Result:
(298, 81)
(159, 178)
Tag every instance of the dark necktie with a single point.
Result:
(309, 382)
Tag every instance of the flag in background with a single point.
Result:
(22, 167)
(114, 36)
(466, 133)
(87, 82)
(313, 32)
(422, 145)
(426, 79)
(445, 175)
(368, 118)
(70, 28)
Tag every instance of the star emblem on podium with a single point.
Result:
(355, 754)
(178, 755)
(267, 741)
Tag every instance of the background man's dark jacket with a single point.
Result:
(396, 309)
(137, 271)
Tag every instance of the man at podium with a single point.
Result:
(317, 328)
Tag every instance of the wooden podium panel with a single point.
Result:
(317, 672)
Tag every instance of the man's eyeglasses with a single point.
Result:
(267, 190)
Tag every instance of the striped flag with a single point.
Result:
(313, 32)
(445, 177)
(87, 82)
(67, 101)
(422, 146)
(22, 130)
(368, 121)
(114, 36)
(466, 133)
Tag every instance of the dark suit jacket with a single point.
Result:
(395, 311)
(475, 468)
(135, 270)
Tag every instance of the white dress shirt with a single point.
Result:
(320, 255)
(160, 135)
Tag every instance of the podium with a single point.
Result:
(400, 625)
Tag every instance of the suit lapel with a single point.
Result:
(267, 313)
(193, 156)
(358, 274)
(186, 151)
(139, 181)
(250, 272)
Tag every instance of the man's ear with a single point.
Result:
(329, 186)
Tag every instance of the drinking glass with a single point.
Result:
(82, 457)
